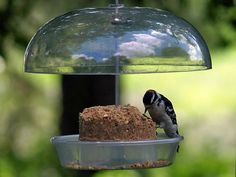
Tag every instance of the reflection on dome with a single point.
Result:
(87, 41)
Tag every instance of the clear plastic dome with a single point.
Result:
(108, 41)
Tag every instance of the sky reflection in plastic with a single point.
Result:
(139, 44)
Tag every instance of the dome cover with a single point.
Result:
(108, 41)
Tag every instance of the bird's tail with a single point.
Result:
(178, 148)
(177, 132)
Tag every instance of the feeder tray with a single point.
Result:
(100, 155)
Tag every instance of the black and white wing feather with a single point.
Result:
(169, 110)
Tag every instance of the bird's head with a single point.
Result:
(149, 98)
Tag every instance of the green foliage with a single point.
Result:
(29, 107)
(118, 173)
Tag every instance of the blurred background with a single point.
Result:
(205, 101)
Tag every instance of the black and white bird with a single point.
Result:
(161, 111)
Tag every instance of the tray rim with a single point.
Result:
(66, 139)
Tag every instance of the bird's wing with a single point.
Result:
(169, 109)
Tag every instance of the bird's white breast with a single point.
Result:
(157, 112)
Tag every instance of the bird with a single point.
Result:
(161, 111)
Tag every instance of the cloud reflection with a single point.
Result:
(79, 56)
(191, 46)
(154, 43)
(141, 45)
(169, 43)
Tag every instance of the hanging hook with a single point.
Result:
(119, 19)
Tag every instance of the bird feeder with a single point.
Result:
(113, 41)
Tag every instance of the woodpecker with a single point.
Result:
(161, 111)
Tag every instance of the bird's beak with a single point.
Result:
(145, 110)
